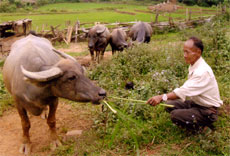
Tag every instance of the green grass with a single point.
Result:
(54, 14)
(155, 69)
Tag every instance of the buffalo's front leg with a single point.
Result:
(102, 54)
(26, 143)
(51, 121)
(113, 51)
(97, 56)
(92, 54)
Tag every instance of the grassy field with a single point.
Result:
(55, 14)
(154, 68)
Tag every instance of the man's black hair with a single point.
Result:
(198, 43)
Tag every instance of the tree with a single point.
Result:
(201, 2)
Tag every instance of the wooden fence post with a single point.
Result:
(43, 28)
(156, 18)
(77, 25)
(219, 8)
(186, 14)
(171, 23)
(190, 15)
(53, 32)
(67, 23)
(69, 34)
(201, 13)
(223, 9)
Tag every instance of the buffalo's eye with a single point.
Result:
(72, 78)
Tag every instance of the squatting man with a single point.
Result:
(201, 88)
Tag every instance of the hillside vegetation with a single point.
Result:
(59, 13)
(154, 68)
(158, 68)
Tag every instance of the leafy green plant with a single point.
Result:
(155, 70)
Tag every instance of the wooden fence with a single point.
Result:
(73, 32)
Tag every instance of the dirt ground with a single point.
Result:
(11, 132)
(81, 47)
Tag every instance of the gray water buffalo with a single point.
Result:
(141, 32)
(118, 40)
(36, 75)
(98, 39)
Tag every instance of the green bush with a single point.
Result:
(18, 3)
(154, 70)
(206, 3)
(42, 2)
(5, 6)
(157, 69)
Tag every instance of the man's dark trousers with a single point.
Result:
(191, 115)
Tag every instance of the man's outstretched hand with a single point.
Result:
(155, 100)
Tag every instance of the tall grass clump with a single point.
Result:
(153, 70)
(148, 66)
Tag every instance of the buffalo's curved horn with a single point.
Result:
(64, 55)
(84, 30)
(101, 31)
(124, 43)
(42, 76)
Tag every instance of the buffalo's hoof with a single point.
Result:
(25, 149)
(55, 144)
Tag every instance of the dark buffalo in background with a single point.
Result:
(36, 75)
(141, 32)
(98, 39)
(118, 40)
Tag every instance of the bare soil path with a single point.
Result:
(11, 132)
(82, 47)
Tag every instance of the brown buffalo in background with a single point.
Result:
(141, 32)
(118, 40)
(98, 39)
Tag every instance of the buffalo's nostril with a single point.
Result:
(102, 92)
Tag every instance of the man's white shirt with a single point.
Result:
(201, 85)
